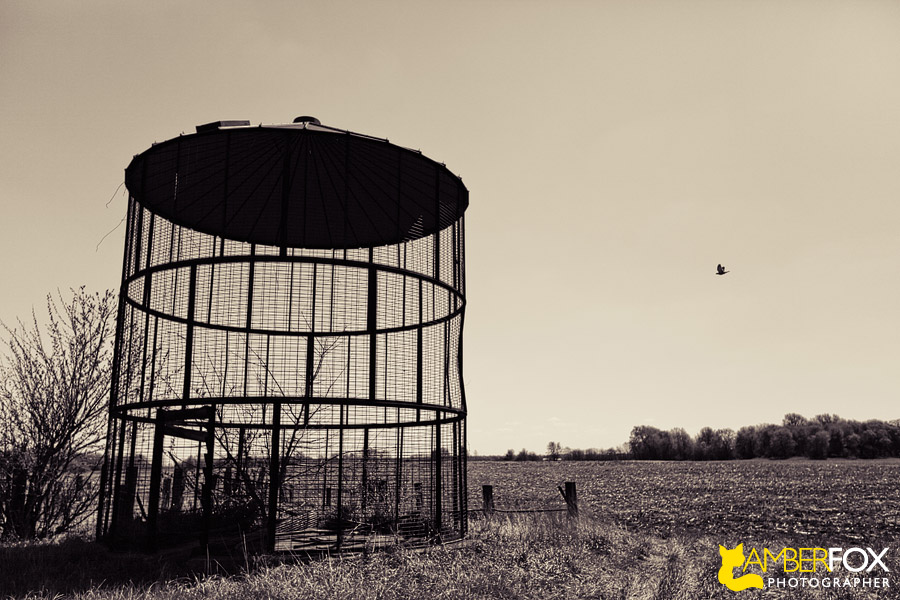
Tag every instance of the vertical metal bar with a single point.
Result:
(209, 478)
(419, 355)
(326, 491)
(400, 233)
(454, 472)
(438, 473)
(212, 281)
(464, 491)
(117, 483)
(331, 298)
(310, 353)
(249, 322)
(437, 222)
(365, 471)
(372, 323)
(266, 380)
(340, 484)
(138, 240)
(399, 468)
(274, 476)
(225, 366)
(225, 188)
(147, 297)
(128, 379)
(242, 438)
(454, 235)
(189, 335)
(446, 328)
(286, 194)
(110, 450)
(290, 318)
(155, 479)
(197, 478)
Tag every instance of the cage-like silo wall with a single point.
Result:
(286, 368)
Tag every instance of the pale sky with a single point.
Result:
(614, 151)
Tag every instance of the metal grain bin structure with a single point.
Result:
(288, 359)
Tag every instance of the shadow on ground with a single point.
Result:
(75, 565)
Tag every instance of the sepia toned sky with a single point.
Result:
(615, 152)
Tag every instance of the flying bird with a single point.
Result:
(720, 270)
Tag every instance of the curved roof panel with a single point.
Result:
(300, 185)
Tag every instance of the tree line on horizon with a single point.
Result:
(822, 437)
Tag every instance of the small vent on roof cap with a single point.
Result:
(305, 119)
(220, 124)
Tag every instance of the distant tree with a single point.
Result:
(781, 443)
(851, 445)
(643, 442)
(724, 449)
(525, 455)
(554, 449)
(510, 455)
(682, 444)
(794, 420)
(54, 390)
(744, 442)
(826, 420)
(836, 441)
(575, 454)
(817, 448)
(823, 436)
(762, 441)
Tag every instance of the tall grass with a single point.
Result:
(521, 557)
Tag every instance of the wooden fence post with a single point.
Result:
(487, 500)
(572, 499)
(570, 495)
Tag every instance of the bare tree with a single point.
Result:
(554, 449)
(54, 390)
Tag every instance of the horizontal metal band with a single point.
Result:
(138, 305)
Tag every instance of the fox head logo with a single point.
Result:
(730, 560)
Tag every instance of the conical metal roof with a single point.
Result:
(296, 185)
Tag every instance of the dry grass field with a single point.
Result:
(839, 500)
(647, 531)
